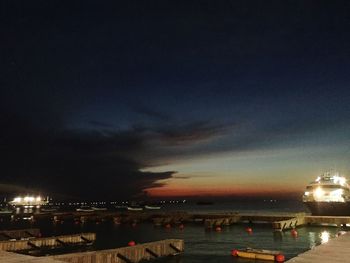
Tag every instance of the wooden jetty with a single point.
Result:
(10, 257)
(278, 221)
(37, 243)
(336, 250)
(131, 254)
(18, 234)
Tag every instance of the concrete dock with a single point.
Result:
(336, 250)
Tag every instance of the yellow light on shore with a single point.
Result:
(27, 200)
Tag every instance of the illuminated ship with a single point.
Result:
(28, 201)
(329, 194)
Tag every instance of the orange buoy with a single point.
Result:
(234, 252)
(279, 258)
(294, 233)
(181, 227)
(218, 229)
(167, 226)
(249, 230)
(131, 243)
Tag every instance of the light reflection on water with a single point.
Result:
(200, 245)
(312, 239)
(324, 237)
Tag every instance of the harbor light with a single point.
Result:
(28, 201)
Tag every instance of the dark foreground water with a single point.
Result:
(201, 245)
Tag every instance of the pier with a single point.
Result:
(278, 221)
(336, 250)
(38, 243)
(18, 234)
(131, 254)
(10, 257)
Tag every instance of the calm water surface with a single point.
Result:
(202, 245)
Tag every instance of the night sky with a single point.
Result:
(123, 99)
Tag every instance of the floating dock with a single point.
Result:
(38, 243)
(18, 234)
(131, 254)
(10, 257)
(336, 250)
(278, 221)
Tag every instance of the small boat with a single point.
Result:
(95, 208)
(152, 207)
(84, 209)
(262, 254)
(135, 208)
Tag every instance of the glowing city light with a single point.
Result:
(28, 201)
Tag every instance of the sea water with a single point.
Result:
(201, 245)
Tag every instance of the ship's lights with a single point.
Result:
(324, 237)
(17, 200)
(28, 199)
(339, 180)
(306, 193)
(337, 193)
(38, 199)
(318, 179)
(318, 192)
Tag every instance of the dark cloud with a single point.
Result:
(151, 113)
(89, 163)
